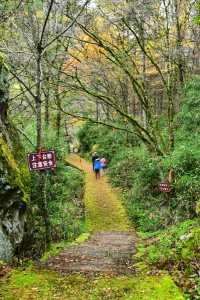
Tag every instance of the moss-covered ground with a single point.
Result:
(104, 212)
(29, 284)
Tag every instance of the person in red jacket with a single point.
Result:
(103, 164)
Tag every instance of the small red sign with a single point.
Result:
(42, 160)
(165, 187)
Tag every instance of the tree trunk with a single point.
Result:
(143, 112)
(97, 110)
(46, 213)
(179, 40)
(58, 117)
(46, 116)
(38, 101)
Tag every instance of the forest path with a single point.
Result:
(106, 259)
(110, 246)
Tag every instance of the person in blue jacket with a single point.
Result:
(94, 157)
(97, 167)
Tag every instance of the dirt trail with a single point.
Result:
(110, 246)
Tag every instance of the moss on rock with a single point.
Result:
(17, 177)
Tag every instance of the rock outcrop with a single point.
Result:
(14, 193)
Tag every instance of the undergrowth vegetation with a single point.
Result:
(176, 250)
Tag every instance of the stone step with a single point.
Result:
(103, 252)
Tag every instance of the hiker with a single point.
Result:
(97, 168)
(103, 164)
(94, 156)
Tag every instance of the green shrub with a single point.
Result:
(175, 245)
(106, 141)
(175, 249)
(87, 136)
(138, 175)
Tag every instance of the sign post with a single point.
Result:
(41, 160)
(165, 187)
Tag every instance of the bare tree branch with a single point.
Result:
(69, 26)
(45, 22)
(27, 138)
(23, 83)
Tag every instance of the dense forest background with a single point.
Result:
(118, 77)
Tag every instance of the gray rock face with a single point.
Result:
(11, 216)
(6, 248)
(11, 219)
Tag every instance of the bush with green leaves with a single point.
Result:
(65, 205)
(137, 174)
(175, 249)
(104, 140)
